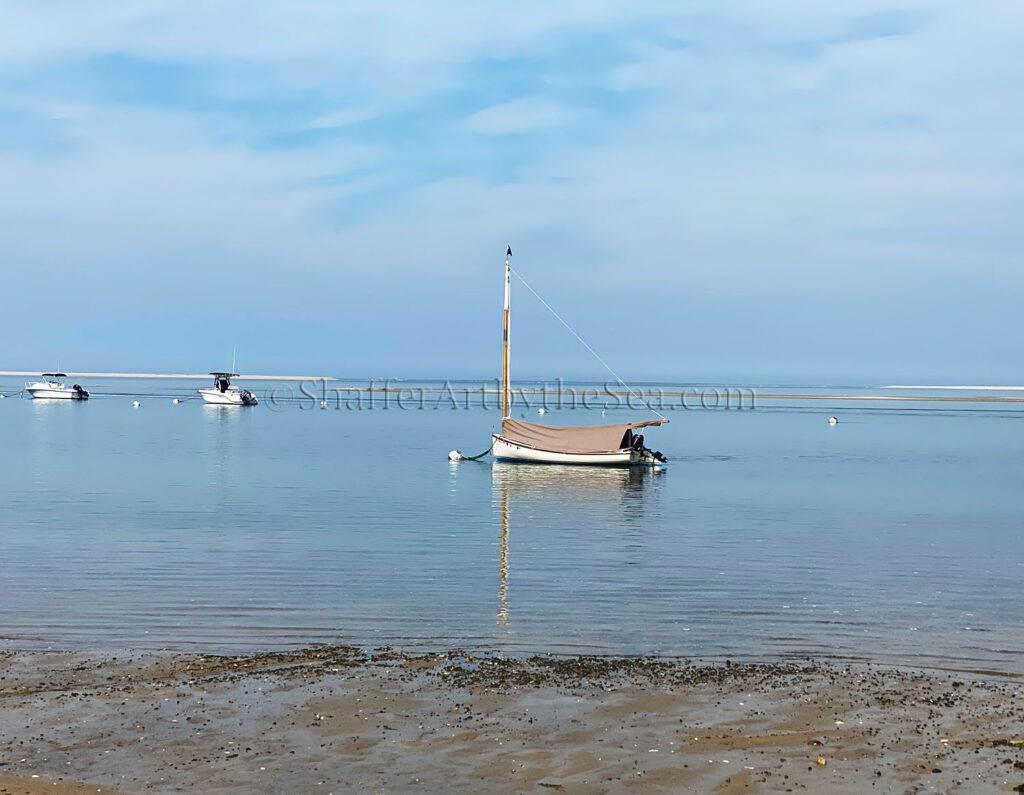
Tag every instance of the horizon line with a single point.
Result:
(185, 376)
(923, 386)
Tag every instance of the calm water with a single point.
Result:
(895, 535)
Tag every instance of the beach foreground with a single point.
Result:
(339, 719)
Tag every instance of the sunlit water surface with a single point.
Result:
(894, 536)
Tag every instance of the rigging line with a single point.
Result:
(584, 343)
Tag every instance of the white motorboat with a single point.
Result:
(223, 393)
(51, 387)
(607, 445)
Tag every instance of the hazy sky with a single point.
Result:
(758, 189)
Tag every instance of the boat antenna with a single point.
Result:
(577, 336)
(505, 340)
(234, 351)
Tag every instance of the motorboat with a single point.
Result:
(51, 387)
(530, 442)
(223, 393)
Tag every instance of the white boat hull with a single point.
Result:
(232, 397)
(55, 393)
(504, 450)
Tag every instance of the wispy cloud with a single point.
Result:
(519, 116)
(343, 117)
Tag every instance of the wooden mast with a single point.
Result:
(504, 347)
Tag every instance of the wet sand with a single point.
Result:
(338, 719)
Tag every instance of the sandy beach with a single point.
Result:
(966, 387)
(339, 719)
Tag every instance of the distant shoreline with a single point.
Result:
(971, 388)
(396, 388)
(183, 376)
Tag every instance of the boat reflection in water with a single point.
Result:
(539, 498)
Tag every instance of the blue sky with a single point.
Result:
(743, 190)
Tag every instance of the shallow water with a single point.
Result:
(893, 536)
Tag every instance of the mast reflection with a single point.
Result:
(503, 555)
(563, 488)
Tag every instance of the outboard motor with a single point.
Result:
(79, 392)
(248, 398)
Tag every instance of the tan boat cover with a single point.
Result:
(570, 438)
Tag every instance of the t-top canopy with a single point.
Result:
(55, 375)
(571, 438)
(225, 375)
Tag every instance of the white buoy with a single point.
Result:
(455, 455)
(542, 411)
(177, 400)
(136, 404)
(833, 420)
(323, 404)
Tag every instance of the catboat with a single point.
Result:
(222, 393)
(609, 445)
(52, 387)
(530, 442)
